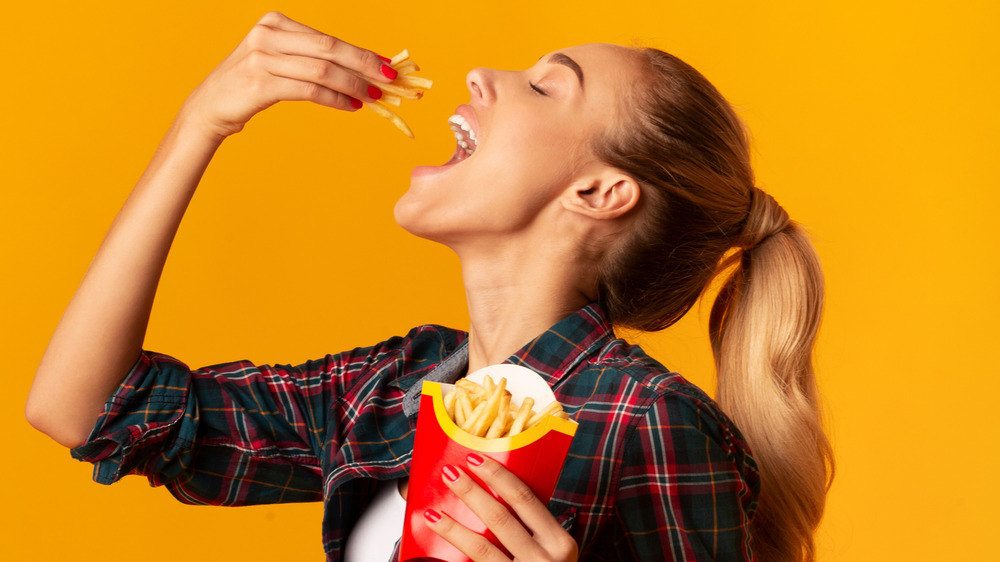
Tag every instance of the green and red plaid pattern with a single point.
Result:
(656, 471)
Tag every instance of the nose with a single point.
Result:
(481, 83)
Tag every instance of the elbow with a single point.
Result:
(61, 429)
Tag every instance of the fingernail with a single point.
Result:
(474, 459)
(374, 93)
(389, 72)
(432, 516)
(356, 104)
(450, 472)
(384, 58)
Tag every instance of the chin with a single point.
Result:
(401, 213)
(410, 217)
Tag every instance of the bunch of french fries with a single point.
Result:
(405, 86)
(485, 410)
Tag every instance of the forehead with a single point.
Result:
(604, 66)
(609, 73)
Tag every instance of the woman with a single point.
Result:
(616, 183)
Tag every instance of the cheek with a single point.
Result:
(547, 155)
(500, 190)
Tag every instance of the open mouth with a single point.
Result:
(465, 138)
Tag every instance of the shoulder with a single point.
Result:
(635, 377)
(685, 480)
(668, 415)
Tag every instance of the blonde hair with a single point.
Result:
(763, 327)
(690, 154)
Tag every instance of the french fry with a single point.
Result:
(475, 390)
(483, 424)
(391, 99)
(407, 67)
(401, 91)
(415, 82)
(547, 410)
(500, 422)
(383, 110)
(485, 410)
(521, 418)
(472, 420)
(463, 407)
(400, 57)
(449, 404)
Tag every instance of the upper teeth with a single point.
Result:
(464, 134)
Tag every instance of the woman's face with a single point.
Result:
(530, 139)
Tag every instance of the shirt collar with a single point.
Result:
(553, 354)
(560, 349)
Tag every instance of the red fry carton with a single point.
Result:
(536, 456)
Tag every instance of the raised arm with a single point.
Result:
(100, 334)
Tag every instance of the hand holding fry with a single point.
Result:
(281, 59)
(405, 86)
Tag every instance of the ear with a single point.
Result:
(607, 194)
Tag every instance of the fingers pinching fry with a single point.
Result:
(486, 410)
(404, 86)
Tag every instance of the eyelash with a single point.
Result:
(537, 89)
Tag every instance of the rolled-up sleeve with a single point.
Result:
(228, 434)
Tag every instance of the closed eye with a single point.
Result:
(537, 89)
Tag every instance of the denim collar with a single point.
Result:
(553, 354)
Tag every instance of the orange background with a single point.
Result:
(874, 123)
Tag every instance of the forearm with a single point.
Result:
(100, 334)
(101, 331)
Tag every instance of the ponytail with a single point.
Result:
(687, 149)
(763, 327)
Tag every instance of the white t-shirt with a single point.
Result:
(375, 535)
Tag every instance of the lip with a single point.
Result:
(467, 112)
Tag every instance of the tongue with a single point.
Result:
(459, 155)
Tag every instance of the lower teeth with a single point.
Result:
(467, 146)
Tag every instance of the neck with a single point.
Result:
(513, 298)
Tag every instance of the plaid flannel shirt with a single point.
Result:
(656, 471)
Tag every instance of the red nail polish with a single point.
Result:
(374, 93)
(356, 104)
(389, 72)
(384, 58)
(450, 472)
(432, 516)
(474, 459)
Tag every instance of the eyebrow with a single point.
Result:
(559, 58)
